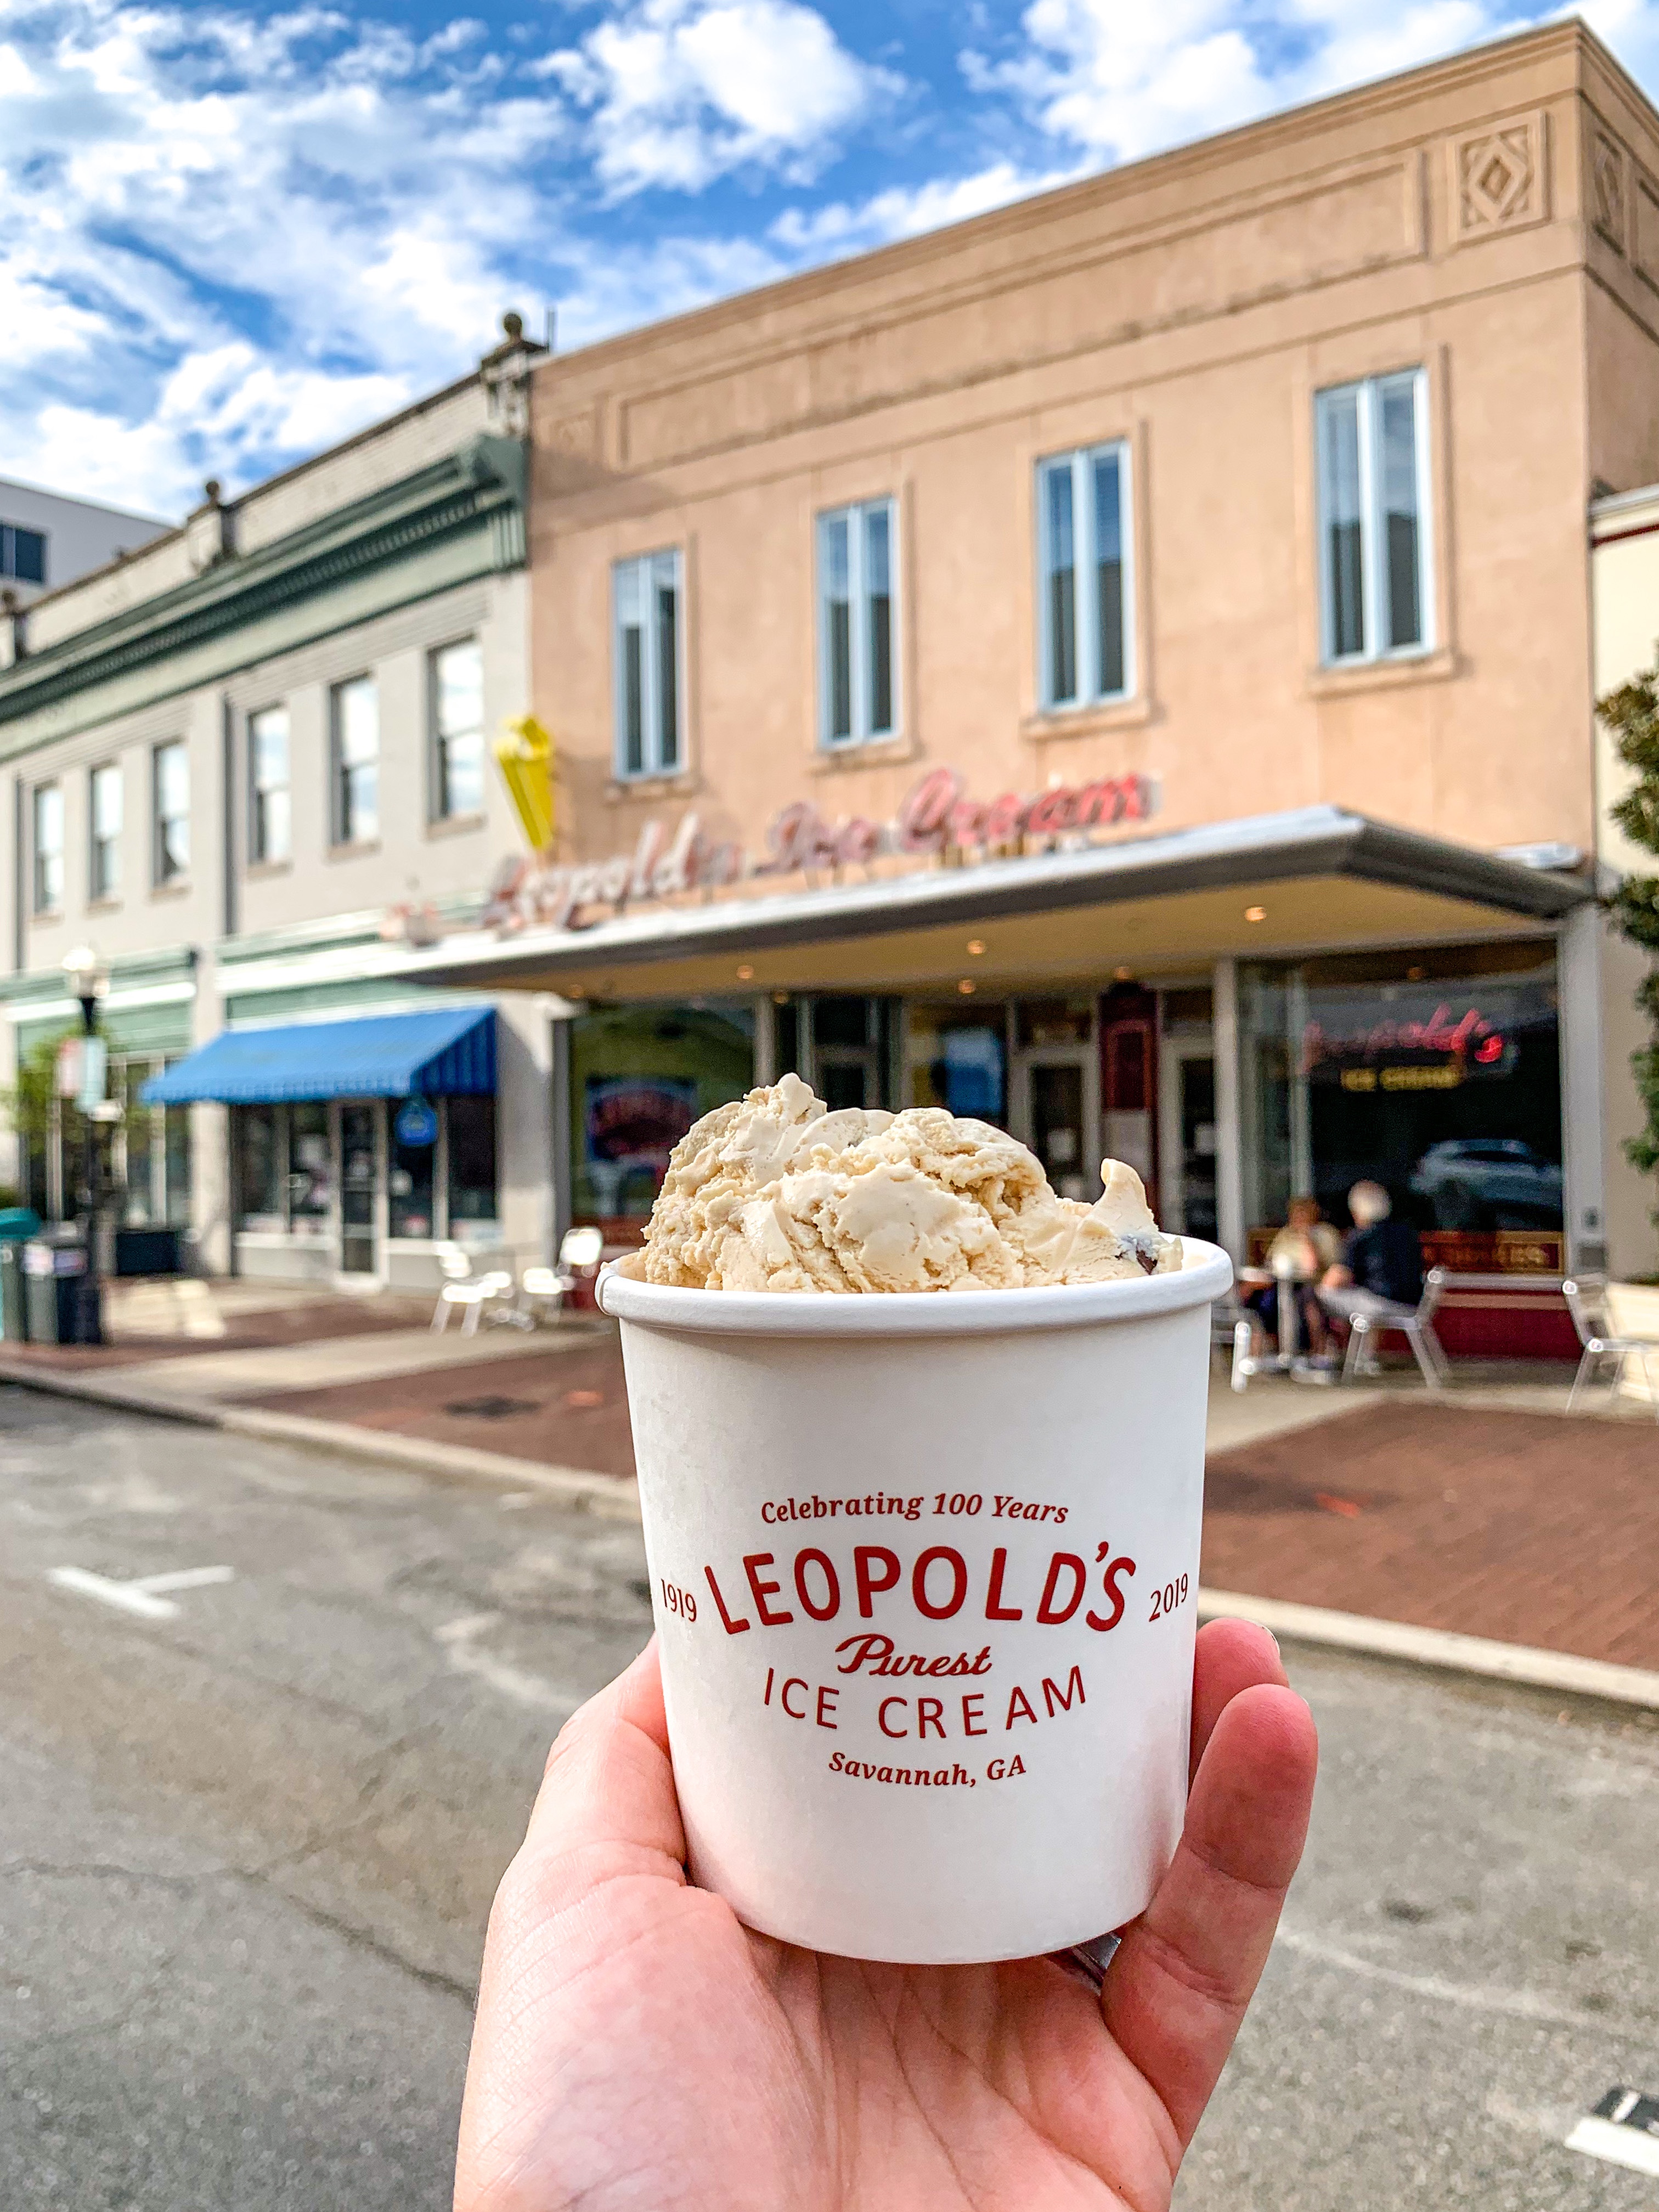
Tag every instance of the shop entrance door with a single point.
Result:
(360, 1189)
(846, 1054)
(1187, 1136)
(1056, 1111)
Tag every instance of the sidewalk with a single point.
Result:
(1480, 1511)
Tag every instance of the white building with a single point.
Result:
(47, 541)
(223, 760)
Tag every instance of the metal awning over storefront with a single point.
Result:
(448, 1053)
(1265, 886)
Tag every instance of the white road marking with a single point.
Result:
(458, 1638)
(142, 1596)
(1515, 2004)
(1619, 2146)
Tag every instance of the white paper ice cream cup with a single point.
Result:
(925, 1572)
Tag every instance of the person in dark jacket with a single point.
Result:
(1380, 1258)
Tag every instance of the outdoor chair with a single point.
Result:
(579, 1250)
(1230, 1331)
(462, 1288)
(1369, 1317)
(1587, 1303)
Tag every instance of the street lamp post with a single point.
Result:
(84, 973)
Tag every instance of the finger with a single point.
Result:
(1231, 1657)
(1177, 1988)
(607, 1801)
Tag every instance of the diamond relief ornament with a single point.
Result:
(1496, 179)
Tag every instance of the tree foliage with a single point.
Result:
(1632, 716)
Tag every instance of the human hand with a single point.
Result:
(638, 2050)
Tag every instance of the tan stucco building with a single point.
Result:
(1238, 498)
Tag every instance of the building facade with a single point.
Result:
(250, 766)
(47, 540)
(1123, 666)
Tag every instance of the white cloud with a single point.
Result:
(1120, 82)
(681, 93)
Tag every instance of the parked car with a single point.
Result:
(1465, 1178)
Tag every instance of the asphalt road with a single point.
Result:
(246, 1852)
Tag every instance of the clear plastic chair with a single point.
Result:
(464, 1290)
(1587, 1303)
(579, 1252)
(1369, 1316)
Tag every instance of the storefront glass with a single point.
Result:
(411, 1170)
(310, 1170)
(639, 1076)
(471, 1123)
(958, 1058)
(258, 1167)
(1434, 1073)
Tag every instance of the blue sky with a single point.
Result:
(233, 233)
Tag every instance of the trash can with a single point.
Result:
(17, 1225)
(52, 1275)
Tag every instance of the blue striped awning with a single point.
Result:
(446, 1053)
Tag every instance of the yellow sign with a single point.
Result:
(524, 754)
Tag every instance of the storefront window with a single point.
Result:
(958, 1059)
(472, 1161)
(310, 1170)
(177, 1154)
(639, 1076)
(257, 1134)
(1434, 1074)
(141, 1155)
(411, 1187)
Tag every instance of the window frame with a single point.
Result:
(161, 874)
(344, 835)
(653, 762)
(258, 853)
(856, 515)
(1090, 692)
(1368, 392)
(438, 809)
(9, 534)
(100, 891)
(42, 905)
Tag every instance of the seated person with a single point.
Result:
(1303, 1252)
(1382, 1262)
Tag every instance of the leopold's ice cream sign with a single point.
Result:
(936, 817)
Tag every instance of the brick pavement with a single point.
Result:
(563, 1408)
(1526, 1528)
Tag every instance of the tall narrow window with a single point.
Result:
(646, 594)
(1371, 441)
(104, 808)
(270, 798)
(171, 783)
(856, 549)
(458, 744)
(1084, 614)
(355, 721)
(48, 849)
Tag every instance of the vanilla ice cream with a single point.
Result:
(774, 1193)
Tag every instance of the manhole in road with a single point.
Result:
(492, 1409)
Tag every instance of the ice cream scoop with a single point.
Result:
(773, 1193)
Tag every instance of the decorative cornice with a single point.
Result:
(480, 487)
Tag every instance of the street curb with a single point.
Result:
(577, 1486)
(1438, 1648)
